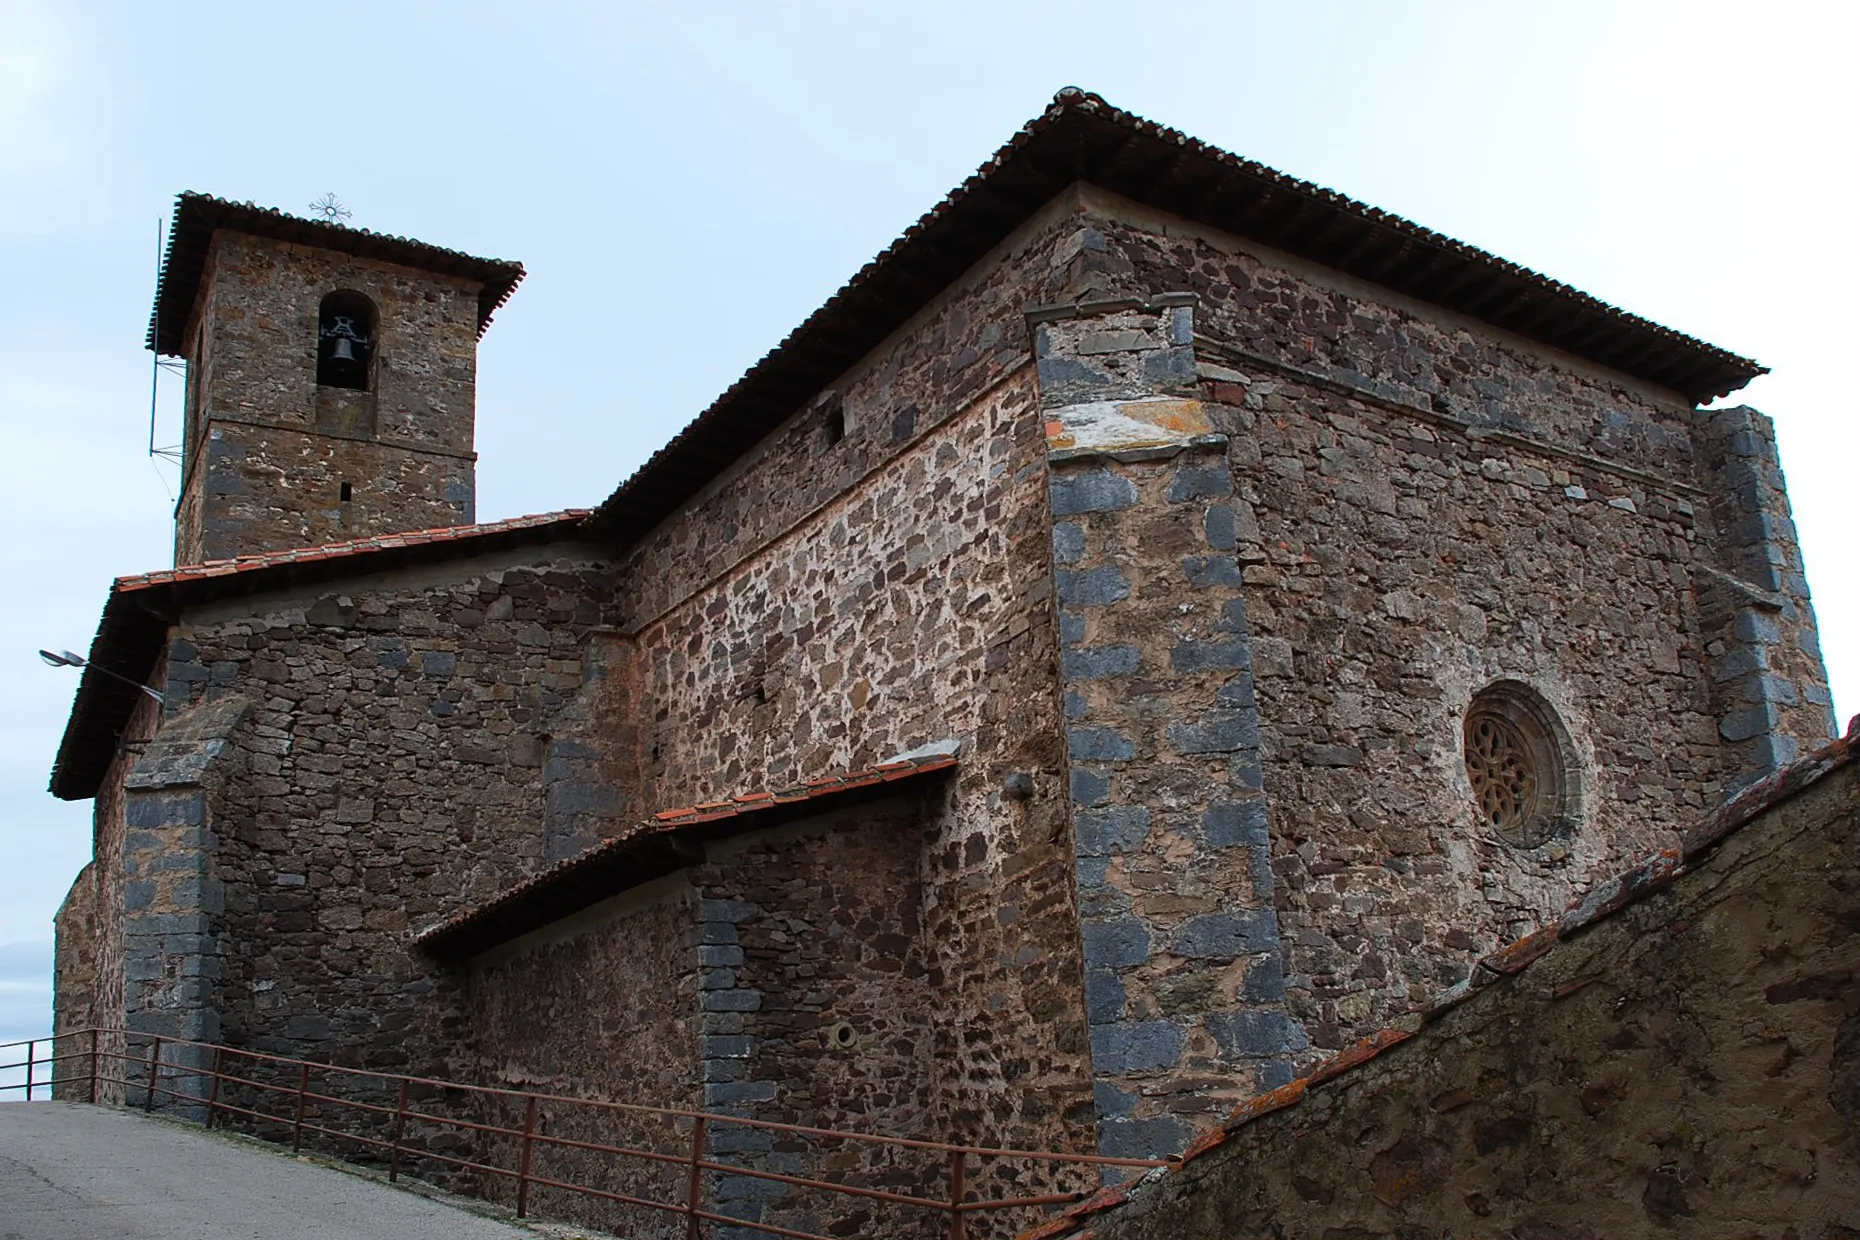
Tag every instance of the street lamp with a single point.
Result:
(65, 658)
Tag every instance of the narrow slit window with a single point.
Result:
(347, 492)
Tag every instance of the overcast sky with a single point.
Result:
(687, 182)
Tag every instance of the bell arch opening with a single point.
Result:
(345, 341)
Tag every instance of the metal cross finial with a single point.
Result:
(331, 209)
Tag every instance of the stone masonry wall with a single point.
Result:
(803, 931)
(1424, 508)
(172, 892)
(267, 450)
(826, 605)
(393, 759)
(603, 1006)
(74, 984)
(88, 965)
(1771, 690)
(1687, 1067)
(1184, 983)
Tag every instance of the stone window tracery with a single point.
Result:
(1517, 761)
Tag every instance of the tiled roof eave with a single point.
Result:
(659, 846)
(1081, 138)
(133, 627)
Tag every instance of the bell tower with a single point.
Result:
(331, 378)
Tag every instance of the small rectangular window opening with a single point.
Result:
(347, 493)
(832, 420)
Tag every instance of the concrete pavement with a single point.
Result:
(74, 1172)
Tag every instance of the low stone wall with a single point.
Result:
(1689, 1065)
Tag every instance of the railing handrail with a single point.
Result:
(941, 1147)
(955, 1207)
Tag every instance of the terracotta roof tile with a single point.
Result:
(342, 550)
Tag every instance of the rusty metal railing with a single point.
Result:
(693, 1161)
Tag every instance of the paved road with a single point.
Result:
(74, 1172)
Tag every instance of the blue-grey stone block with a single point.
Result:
(1071, 627)
(1770, 688)
(1069, 372)
(1330, 755)
(1200, 656)
(1218, 528)
(1092, 587)
(726, 1047)
(1098, 662)
(730, 1001)
(1772, 751)
(1115, 944)
(1181, 325)
(1237, 693)
(1104, 996)
(726, 910)
(1113, 830)
(1074, 703)
(1219, 731)
(730, 1093)
(1227, 823)
(716, 979)
(1091, 872)
(1226, 935)
(1171, 367)
(732, 1139)
(1090, 787)
(1098, 744)
(145, 810)
(1259, 869)
(719, 954)
(740, 1188)
(1265, 980)
(1154, 1137)
(1112, 1101)
(1244, 1034)
(1192, 482)
(1135, 1046)
(1756, 626)
(1206, 572)
(1741, 725)
(1091, 490)
(716, 932)
(1739, 662)
(1068, 542)
(439, 663)
(1808, 641)
(138, 894)
(1273, 1074)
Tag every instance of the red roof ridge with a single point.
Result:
(1605, 899)
(339, 550)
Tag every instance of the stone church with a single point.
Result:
(1157, 623)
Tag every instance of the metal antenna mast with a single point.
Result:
(170, 365)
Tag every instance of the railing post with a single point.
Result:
(148, 1099)
(956, 1188)
(213, 1091)
(297, 1127)
(400, 1127)
(32, 1050)
(523, 1173)
(93, 1065)
(694, 1189)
